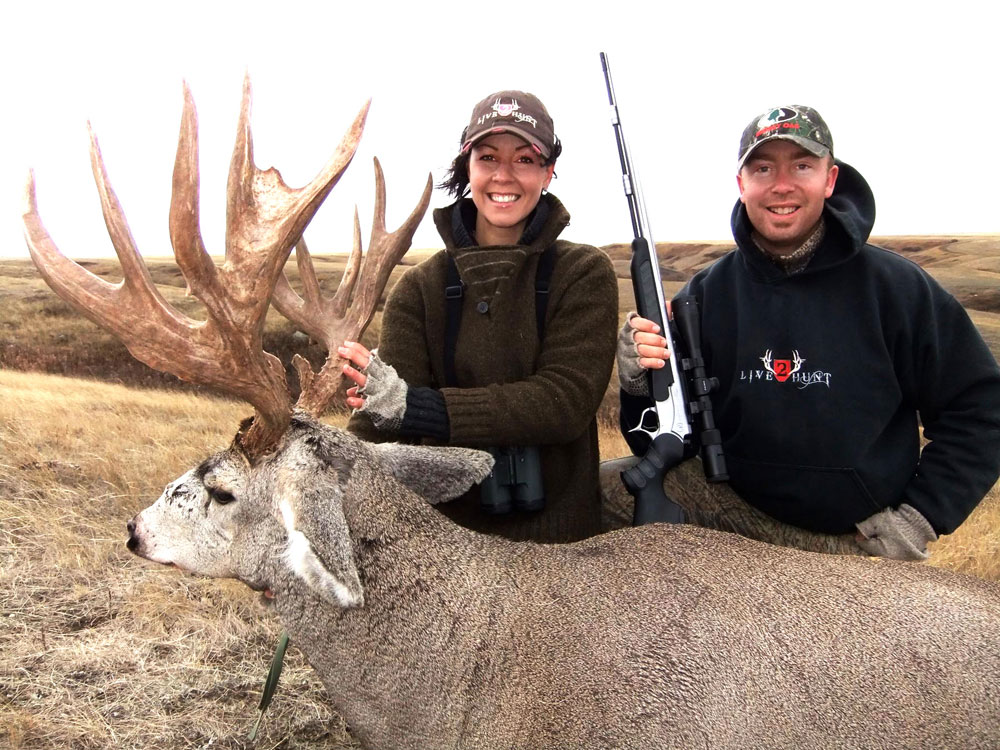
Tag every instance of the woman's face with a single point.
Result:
(506, 178)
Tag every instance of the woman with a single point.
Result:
(503, 341)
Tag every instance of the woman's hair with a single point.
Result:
(456, 180)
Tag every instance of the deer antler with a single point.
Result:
(332, 320)
(264, 219)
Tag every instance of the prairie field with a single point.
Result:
(99, 649)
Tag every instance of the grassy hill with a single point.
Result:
(39, 332)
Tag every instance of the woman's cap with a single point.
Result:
(797, 123)
(516, 112)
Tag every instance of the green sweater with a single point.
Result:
(511, 391)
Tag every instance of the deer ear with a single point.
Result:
(319, 548)
(435, 473)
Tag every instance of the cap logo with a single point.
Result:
(504, 109)
(507, 109)
(775, 116)
(775, 119)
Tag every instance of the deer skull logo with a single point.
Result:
(505, 109)
(782, 369)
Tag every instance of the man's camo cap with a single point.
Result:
(803, 125)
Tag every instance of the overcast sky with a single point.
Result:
(909, 94)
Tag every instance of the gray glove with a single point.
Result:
(901, 534)
(631, 375)
(385, 395)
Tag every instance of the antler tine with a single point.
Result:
(98, 299)
(133, 309)
(307, 272)
(345, 290)
(265, 218)
(301, 312)
(94, 296)
(185, 226)
(311, 311)
(384, 251)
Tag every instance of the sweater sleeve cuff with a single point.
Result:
(469, 413)
(426, 415)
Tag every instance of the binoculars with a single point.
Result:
(515, 482)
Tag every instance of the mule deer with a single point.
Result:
(428, 635)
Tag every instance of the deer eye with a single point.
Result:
(222, 497)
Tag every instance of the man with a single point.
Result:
(830, 353)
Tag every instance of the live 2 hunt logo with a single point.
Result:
(785, 370)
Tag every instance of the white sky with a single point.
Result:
(909, 94)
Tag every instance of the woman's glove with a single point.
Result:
(385, 395)
(899, 533)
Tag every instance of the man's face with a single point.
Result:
(783, 187)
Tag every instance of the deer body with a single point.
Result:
(661, 636)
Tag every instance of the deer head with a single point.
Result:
(199, 518)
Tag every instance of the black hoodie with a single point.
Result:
(824, 374)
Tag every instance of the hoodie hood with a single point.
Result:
(849, 215)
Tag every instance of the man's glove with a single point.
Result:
(385, 395)
(631, 375)
(901, 534)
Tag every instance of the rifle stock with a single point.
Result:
(644, 481)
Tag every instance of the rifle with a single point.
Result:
(668, 421)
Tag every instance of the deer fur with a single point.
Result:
(428, 635)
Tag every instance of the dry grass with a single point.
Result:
(974, 548)
(100, 649)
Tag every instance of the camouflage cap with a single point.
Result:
(793, 123)
(516, 112)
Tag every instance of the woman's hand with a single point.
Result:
(357, 360)
(378, 391)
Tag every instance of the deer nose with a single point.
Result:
(133, 539)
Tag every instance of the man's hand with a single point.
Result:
(899, 533)
(640, 348)
(651, 346)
